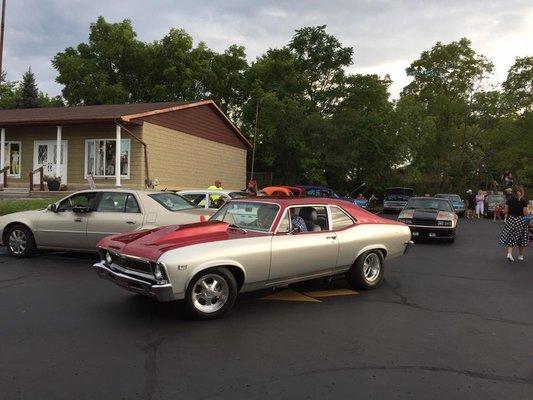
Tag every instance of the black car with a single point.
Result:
(430, 217)
(396, 198)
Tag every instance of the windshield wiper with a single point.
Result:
(237, 227)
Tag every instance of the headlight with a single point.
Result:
(159, 272)
(108, 258)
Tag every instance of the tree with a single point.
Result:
(28, 96)
(518, 86)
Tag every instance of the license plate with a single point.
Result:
(431, 234)
(414, 233)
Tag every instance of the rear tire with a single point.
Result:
(19, 241)
(367, 271)
(211, 293)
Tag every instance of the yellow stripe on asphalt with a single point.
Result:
(331, 293)
(289, 295)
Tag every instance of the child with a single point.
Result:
(498, 208)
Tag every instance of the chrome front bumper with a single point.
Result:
(161, 292)
(408, 245)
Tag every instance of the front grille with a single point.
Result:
(424, 222)
(131, 263)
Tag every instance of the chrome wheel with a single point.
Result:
(210, 293)
(371, 267)
(17, 241)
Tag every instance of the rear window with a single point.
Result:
(172, 201)
(339, 219)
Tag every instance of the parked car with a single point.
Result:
(81, 220)
(275, 191)
(430, 217)
(491, 201)
(458, 204)
(296, 190)
(211, 198)
(321, 191)
(252, 244)
(396, 198)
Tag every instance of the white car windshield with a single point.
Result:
(248, 215)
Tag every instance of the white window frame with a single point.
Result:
(127, 176)
(9, 142)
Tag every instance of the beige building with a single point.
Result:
(179, 145)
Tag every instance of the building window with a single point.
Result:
(100, 158)
(12, 158)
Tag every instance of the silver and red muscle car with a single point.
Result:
(250, 244)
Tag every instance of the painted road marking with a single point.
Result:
(313, 296)
(290, 295)
(331, 293)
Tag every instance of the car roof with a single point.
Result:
(214, 191)
(120, 190)
(293, 200)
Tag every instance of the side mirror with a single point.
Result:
(52, 207)
(80, 209)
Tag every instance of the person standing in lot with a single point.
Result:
(480, 203)
(470, 204)
(515, 232)
(216, 186)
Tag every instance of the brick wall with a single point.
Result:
(179, 160)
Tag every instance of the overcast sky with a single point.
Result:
(386, 35)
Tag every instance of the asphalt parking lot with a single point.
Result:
(450, 321)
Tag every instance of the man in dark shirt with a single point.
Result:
(470, 203)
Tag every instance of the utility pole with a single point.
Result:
(255, 139)
(2, 35)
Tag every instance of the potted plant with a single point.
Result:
(53, 182)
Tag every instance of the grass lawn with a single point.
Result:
(11, 206)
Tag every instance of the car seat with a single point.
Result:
(310, 217)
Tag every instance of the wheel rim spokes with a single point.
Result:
(210, 293)
(17, 241)
(371, 267)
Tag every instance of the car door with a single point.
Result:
(116, 212)
(296, 254)
(64, 228)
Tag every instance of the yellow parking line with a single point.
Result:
(331, 293)
(290, 295)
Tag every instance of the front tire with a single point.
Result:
(211, 293)
(20, 242)
(367, 271)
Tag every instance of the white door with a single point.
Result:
(44, 154)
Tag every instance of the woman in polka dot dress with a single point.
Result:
(515, 232)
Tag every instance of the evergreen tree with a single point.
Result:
(29, 94)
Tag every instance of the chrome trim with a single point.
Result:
(161, 292)
(408, 245)
(430, 226)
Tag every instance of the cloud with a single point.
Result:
(386, 35)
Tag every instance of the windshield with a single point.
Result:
(398, 193)
(236, 195)
(172, 201)
(247, 215)
(452, 197)
(491, 198)
(428, 204)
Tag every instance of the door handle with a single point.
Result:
(331, 237)
(78, 220)
(130, 222)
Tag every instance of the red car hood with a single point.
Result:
(150, 244)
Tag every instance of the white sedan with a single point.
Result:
(79, 221)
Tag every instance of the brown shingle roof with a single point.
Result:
(79, 114)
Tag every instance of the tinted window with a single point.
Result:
(172, 201)
(112, 202)
(339, 219)
(80, 199)
(131, 204)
